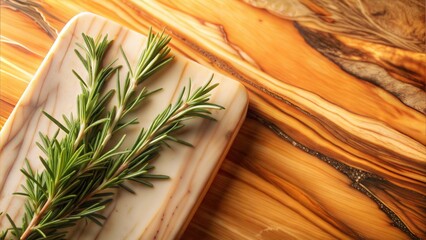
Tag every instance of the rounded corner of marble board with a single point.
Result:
(82, 16)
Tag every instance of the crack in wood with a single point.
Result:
(357, 176)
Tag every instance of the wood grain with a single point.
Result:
(334, 144)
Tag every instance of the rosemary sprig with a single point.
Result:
(79, 169)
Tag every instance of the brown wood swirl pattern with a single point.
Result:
(334, 142)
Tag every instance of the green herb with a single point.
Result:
(80, 170)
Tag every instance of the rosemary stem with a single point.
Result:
(155, 133)
(35, 220)
(80, 135)
(116, 119)
(144, 146)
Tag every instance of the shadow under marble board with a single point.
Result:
(160, 212)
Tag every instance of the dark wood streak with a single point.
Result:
(337, 52)
(34, 11)
(374, 150)
(404, 201)
(396, 23)
(371, 148)
(357, 176)
(230, 44)
(122, 6)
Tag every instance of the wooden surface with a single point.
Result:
(334, 142)
(161, 212)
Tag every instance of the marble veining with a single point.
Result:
(152, 213)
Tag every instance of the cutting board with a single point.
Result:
(161, 212)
